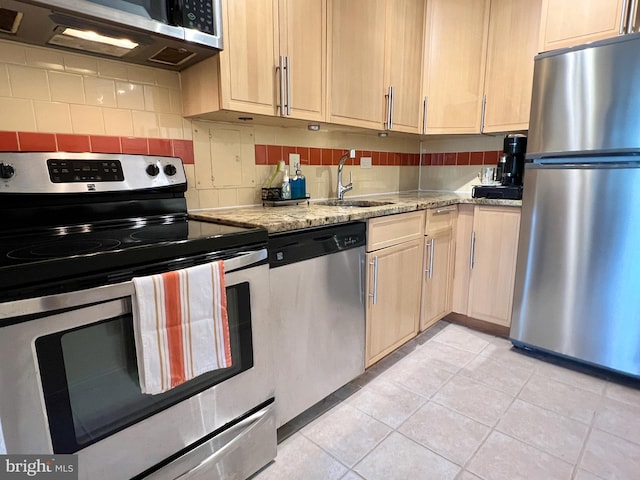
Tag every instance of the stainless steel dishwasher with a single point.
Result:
(317, 312)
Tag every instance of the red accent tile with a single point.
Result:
(274, 154)
(315, 156)
(375, 158)
(463, 158)
(285, 153)
(73, 143)
(491, 157)
(134, 145)
(261, 154)
(160, 146)
(304, 155)
(394, 159)
(476, 158)
(337, 155)
(426, 159)
(450, 158)
(326, 155)
(103, 144)
(384, 158)
(416, 159)
(184, 150)
(9, 142)
(37, 142)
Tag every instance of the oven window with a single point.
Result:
(90, 376)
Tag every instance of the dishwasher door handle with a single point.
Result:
(374, 295)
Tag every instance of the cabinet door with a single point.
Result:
(514, 27)
(303, 40)
(572, 22)
(405, 38)
(247, 63)
(356, 47)
(455, 63)
(393, 307)
(493, 265)
(437, 277)
(462, 259)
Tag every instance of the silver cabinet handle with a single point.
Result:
(281, 67)
(440, 211)
(424, 115)
(473, 250)
(633, 12)
(287, 66)
(484, 108)
(374, 295)
(392, 105)
(431, 259)
(624, 17)
(427, 245)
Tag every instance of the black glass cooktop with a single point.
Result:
(91, 255)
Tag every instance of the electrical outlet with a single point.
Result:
(294, 159)
(365, 162)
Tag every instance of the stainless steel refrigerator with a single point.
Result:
(577, 289)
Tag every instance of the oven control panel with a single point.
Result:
(66, 172)
(69, 171)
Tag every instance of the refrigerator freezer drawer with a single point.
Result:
(577, 290)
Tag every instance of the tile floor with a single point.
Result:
(458, 404)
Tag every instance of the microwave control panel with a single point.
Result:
(198, 14)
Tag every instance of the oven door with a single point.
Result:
(74, 382)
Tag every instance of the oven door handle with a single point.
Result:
(245, 259)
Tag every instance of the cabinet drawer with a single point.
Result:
(394, 229)
(441, 218)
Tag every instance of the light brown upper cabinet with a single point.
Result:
(565, 23)
(455, 55)
(375, 63)
(513, 42)
(273, 62)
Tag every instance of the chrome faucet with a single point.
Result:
(342, 189)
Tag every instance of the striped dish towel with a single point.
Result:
(181, 326)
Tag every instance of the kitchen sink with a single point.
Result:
(353, 203)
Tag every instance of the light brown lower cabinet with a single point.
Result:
(437, 276)
(485, 263)
(393, 282)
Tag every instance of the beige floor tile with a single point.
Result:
(571, 377)
(623, 393)
(561, 398)
(504, 458)
(398, 458)
(462, 338)
(501, 375)
(611, 457)
(473, 399)
(418, 375)
(560, 436)
(351, 475)
(300, 459)
(506, 352)
(584, 475)
(620, 419)
(346, 433)
(442, 355)
(387, 402)
(467, 476)
(446, 432)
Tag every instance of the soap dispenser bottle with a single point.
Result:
(302, 183)
(286, 186)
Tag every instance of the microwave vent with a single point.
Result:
(9, 20)
(172, 56)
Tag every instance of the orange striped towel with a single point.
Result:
(181, 326)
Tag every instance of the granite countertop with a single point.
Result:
(294, 217)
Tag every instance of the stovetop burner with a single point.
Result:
(62, 248)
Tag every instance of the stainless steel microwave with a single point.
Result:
(162, 33)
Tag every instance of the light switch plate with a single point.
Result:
(294, 158)
(365, 162)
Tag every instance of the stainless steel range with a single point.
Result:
(76, 229)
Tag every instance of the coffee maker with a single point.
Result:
(514, 147)
(509, 171)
